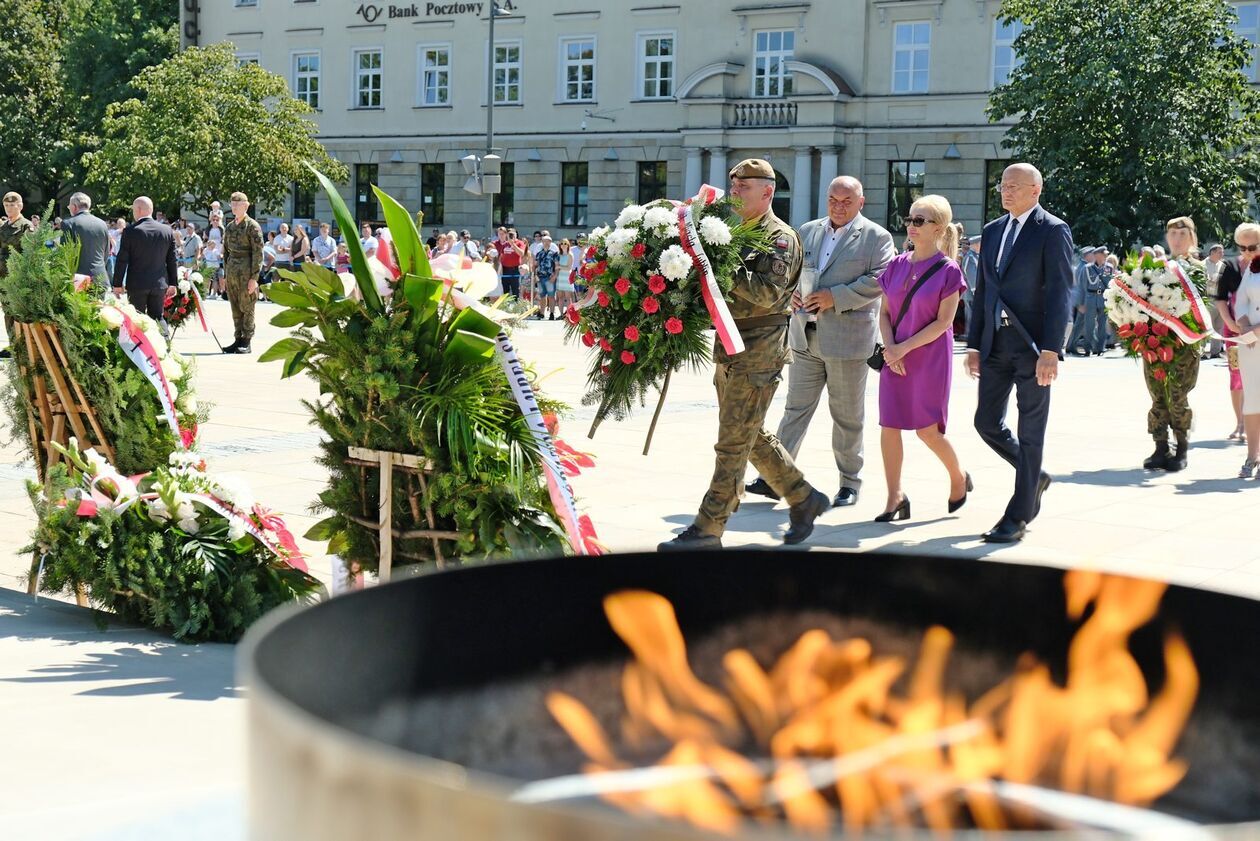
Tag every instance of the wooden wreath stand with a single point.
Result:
(57, 409)
(387, 463)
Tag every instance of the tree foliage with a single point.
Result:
(1135, 111)
(202, 127)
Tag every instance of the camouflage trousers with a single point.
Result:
(242, 305)
(1170, 399)
(743, 398)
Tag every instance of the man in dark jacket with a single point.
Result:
(92, 234)
(146, 261)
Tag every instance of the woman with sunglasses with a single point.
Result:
(1247, 238)
(925, 284)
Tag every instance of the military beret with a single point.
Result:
(752, 168)
(11, 197)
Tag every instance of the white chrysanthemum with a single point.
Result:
(660, 220)
(184, 286)
(714, 231)
(1140, 288)
(196, 277)
(1179, 307)
(675, 263)
(619, 241)
(234, 490)
(629, 215)
(599, 233)
(111, 317)
(236, 529)
(172, 369)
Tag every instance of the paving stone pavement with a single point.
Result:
(173, 716)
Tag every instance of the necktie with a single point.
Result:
(1007, 245)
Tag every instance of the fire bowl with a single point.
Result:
(414, 710)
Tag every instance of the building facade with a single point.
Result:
(598, 103)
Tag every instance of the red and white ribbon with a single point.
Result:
(719, 313)
(201, 315)
(1198, 309)
(276, 537)
(136, 345)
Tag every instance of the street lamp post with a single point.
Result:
(494, 12)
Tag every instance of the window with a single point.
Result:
(905, 184)
(243, 59)
(303, 202)
(773, 51)
(367, 79)
(1004, 58)
(992, 198)
(306, 78)
(1248, 27)
(240, 3)
(505, 199)
(507, 74)
(433, 192)
(656, 66)
(435, 75)
(365, 207)
(652, 177)
(573, 179)
(911, 50)
(577, 66)
(782, 202)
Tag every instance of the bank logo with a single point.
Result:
(369, 12)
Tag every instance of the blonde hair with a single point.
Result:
(943, 215)
(1247, 229)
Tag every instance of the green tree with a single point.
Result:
(35, 131)
(202, 127)
(1135, 111)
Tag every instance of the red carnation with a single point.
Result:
(1165, 354)
(638, 251)
(673, 326)
(572, 316)
(605, 346)
(651, 305)
(601, 267)
(588, 339)
(1159, 329)
(1152, 342)
(1141, 329)
(603, 298)
(632, 333)
(1159, 374)
(656, 284)
(622, 285)
(627, 358)
(587, 271)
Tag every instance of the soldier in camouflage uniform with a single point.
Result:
(242, 260)
(13, 227)
(760, 303)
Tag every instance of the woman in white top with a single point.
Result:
(564, 276)
(1247, 314)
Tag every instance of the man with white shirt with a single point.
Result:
(835, 321)
(283, 243)
(465, 246)
(324, 247)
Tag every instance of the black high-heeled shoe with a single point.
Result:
(955, 504)
(901, 512)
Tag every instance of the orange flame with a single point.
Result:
(838, 744)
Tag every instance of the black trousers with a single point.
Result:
(1012, 364)
(512, 283)
(148, 301)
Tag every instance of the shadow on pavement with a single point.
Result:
(1231, 485)
(1110, 477)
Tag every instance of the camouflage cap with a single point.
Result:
(752, 168)
(11, 197)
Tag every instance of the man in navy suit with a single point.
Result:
(1019, 321)
(146, 261)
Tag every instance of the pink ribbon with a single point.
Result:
(719, 313)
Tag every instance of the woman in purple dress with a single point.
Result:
(918, 350)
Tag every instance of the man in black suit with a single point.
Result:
(146, 261)
(92, 235)
(1019, 320)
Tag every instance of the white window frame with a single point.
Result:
(518, 65)
(1252, 34)
(248, 58)
(245, 4)
(422, 88)
(356, 75)
(1004, 39)
(784, 76)
(911, 49)
(317, 75)
(642, 59)
(563, 64)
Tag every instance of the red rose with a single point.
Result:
(1141, 329)
(1150, 356)
(627, 358)
(571, 315)
(638, 251)
(1159, 329)
(603, 298)
(632, 333)
(651, 305)
(588, 339)
(587, 271)
(673, 326)
(622, 285)
(1165, 354)
(1152, 342)
(605, 346)
(1159, 374)
(601, 267)
(656, 284)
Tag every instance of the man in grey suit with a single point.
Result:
(92, 235)
(835, 322)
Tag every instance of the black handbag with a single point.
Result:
(876, 359)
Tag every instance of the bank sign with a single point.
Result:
(373, 12)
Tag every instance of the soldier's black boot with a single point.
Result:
(1177, 460)
(1158, 459)
(802, 516)
(691, 538)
